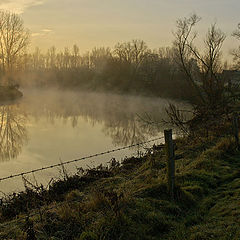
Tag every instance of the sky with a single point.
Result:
(90, 23)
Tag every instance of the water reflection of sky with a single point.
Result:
(46, 127)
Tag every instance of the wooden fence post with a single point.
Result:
(170, 161)
(236, 129)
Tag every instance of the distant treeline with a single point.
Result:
(130, 67)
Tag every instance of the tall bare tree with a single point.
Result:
(201, 68)
(13, 40)
(132, 52)
(236, 52)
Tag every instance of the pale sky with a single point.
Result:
(90, 23)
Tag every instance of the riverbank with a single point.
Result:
(9, 93)
(131, 201)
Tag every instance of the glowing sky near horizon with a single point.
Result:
(90, 23)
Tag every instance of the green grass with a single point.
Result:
(133, 202)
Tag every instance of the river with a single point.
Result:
(46, 127)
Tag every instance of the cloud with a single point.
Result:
(19, 6)
(42, 33)
(46, 30)
(36, 34)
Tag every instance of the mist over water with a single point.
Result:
(49, 126)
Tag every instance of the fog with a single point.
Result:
(47, 126)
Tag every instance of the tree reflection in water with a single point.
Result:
(128, 129)
(13, 133)
(118, 115)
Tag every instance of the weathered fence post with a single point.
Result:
(236, 129)
(170, 161)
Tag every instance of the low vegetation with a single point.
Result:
(131, 201)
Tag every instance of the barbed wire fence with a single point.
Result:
(79, 159)
(35, 212)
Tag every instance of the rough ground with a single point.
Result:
(132, 201)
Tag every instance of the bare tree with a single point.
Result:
(132, 52)
(236, 52)
(75, 56)
(13, 40)
(99, 57)
(51, 55)
(38, 61)
(201, 68)
(131, 55)
(183, 39)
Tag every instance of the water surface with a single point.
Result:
(47, 126)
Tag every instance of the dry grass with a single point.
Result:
(134, 203)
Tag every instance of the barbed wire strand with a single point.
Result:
(77, 160)
(58, 205)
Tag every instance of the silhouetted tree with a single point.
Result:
(13, 40)
(201, 68)
(236, 52)
(202, 71)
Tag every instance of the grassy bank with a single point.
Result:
(9, 93)
(131, 201)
